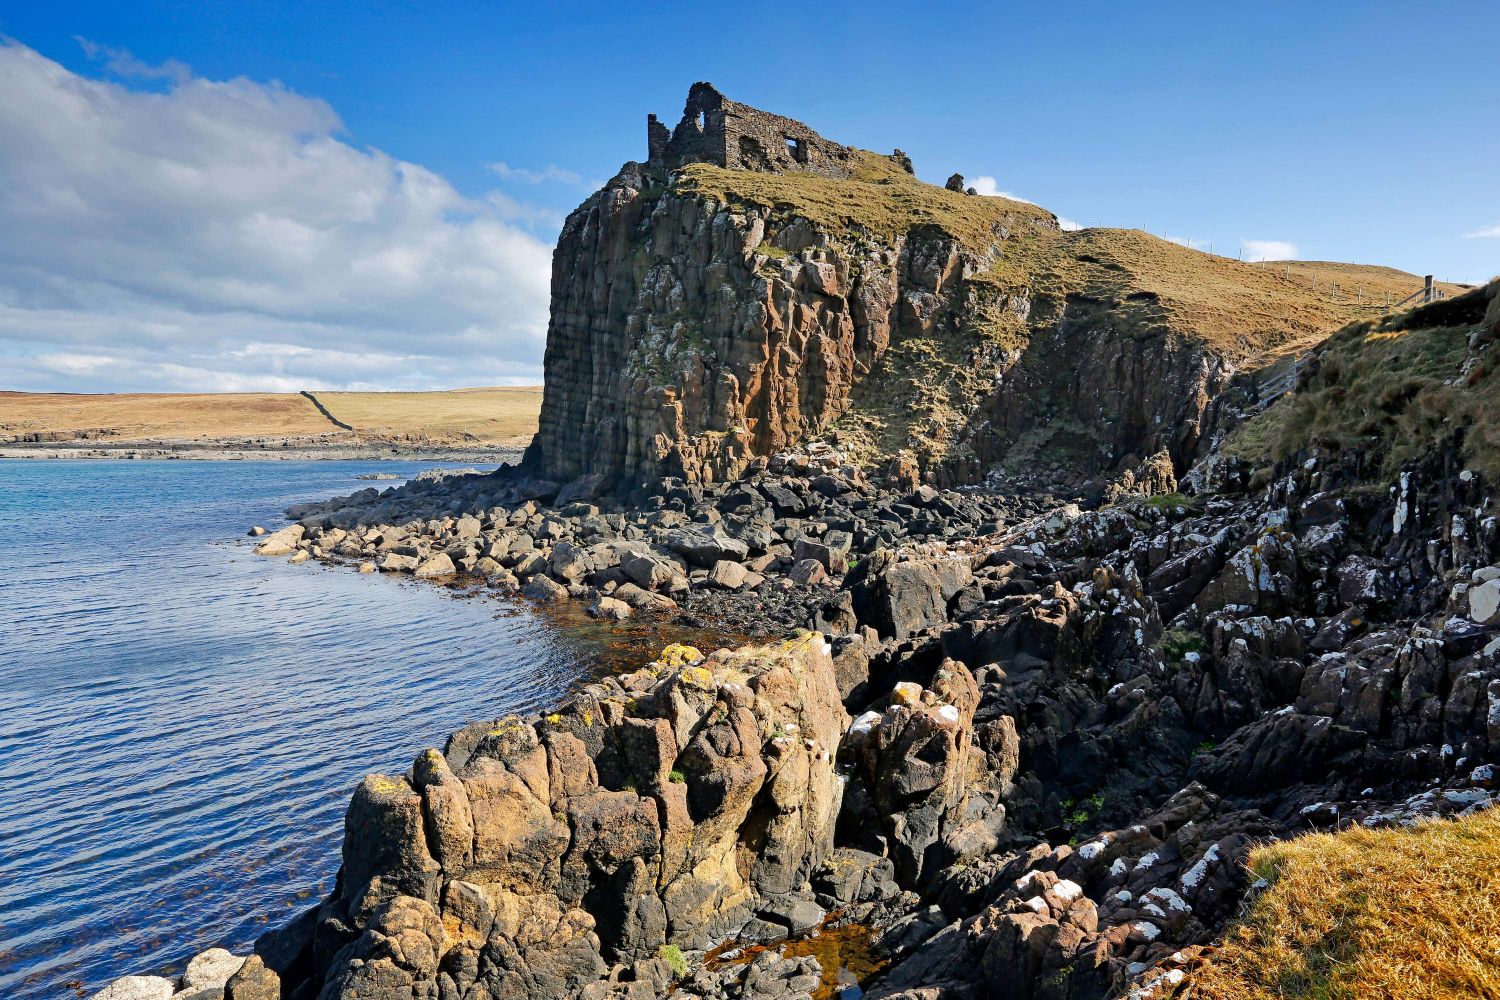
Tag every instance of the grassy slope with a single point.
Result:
(501, 415)
(1366, 914)
(1399, 386)
(1357, 282)
(493, 414)
(142, 416)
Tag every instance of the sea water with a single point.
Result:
(182, 722)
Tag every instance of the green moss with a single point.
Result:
(1167, 501)
(1396, 388)
(1176, 643)
(673, 956)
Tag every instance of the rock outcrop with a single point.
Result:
(669, 807)
(711, 307)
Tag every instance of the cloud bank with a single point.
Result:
(1258, 250)
(220, 235)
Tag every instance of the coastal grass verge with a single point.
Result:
(1364, 914)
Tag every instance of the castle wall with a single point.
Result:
(736, 136)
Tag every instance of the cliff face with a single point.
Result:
(689, 336)
(703, 316)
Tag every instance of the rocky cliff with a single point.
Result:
(1020, 745)
(704, 316)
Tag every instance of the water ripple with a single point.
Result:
(184, 721)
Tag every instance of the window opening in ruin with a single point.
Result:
(794, 146)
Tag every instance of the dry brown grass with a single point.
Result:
(881, 199)
(162, 416)
(1366, 915)
(497, 415)
(1354, 281)
(1247, 311)
(459, 416)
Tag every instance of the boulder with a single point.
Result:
(650, 571)
(210, 969)
(542, 587)
(394, 562)
(281, 543)
(728, 575)
(703, 547)
(609, 607)
(437, 566)
(137, 988)
(1484, 602)
(807, 573)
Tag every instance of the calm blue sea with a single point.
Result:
(182, 722)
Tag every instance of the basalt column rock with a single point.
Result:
(688, 337)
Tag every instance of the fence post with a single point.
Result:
(1427, 288)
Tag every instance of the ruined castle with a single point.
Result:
(736, 136)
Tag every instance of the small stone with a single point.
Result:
(367, 567)
(906, 693)
(609, 607)
(256, 531)
(301, 556)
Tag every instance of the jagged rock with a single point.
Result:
(253, 981)
(915, 762)
(534, 852)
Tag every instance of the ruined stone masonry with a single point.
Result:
(736, 136)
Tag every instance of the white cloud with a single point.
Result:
(990, 188)
(1258, 250)
(124, 64)
(218, 234)
(1488, 232)
(551, 172)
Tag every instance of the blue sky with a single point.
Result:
(421, 156)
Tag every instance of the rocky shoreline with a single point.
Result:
(1012, 740)
(1027, 744)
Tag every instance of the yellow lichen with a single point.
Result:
(677, 655)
